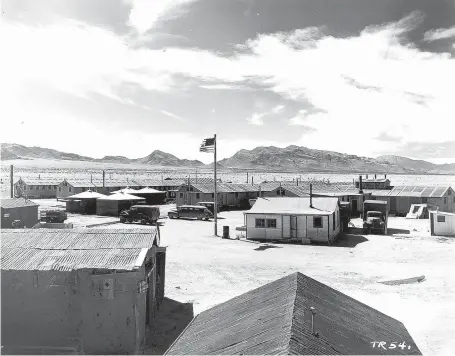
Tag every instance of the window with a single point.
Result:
(445, 200)
(198, 195)
(441, 218)
(271, 223)
(25, 187)
(69, 189)
(424, 200)
(181, 195)
(213, 195)
(454, 199)
(317, 222)
(260, 223)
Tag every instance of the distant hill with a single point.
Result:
(291, 158)
(294, 158)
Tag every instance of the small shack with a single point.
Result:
(114, 204)
(294, 315)
(294, 219)
(442, 224)
(21, 209)
(152, 196)
(93, 290)
(83, 203)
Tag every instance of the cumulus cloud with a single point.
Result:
(145, 14)
(256, 119)
(439, 34)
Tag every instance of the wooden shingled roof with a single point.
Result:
(276, 319)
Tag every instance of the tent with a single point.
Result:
(114, 204)
(152, 196)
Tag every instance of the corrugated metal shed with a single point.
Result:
(54, 249)
(321, 206)
(16, 203)
(78, 239)
(276, 319)
(68, 260)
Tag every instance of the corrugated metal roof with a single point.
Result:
(41, 181)
(276, 319)
(68, 260)
(321, 206)
(226, 188)
(78, 239)
(16, 203)
(54, 249)
(412, 191)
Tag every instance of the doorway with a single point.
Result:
(355, 208)
(293, 227)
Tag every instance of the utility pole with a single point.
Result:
(216, 193)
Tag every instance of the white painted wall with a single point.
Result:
(446, 228)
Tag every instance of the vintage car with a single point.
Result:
(190, 211)
(53, 216)
(145, 214)
(209, 205)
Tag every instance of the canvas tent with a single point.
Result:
(152, 196)
(114, 204)
(83, 203)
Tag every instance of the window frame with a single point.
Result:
(441, 219)
(268, 225)
(256, 225)
(314, 222)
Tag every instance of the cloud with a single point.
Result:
(384, 136)
(256, 119)
(425, 150)
(277, 109)
(167, 113)
(439, 34)
(146, 14)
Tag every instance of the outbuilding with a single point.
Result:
(113, 205)
(71, 291)
(36, 188)
(294, 315)
(302, 220)
(442, 224)
(83, 203)
(22, 209)
(152, 196)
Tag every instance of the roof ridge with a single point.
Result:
(295, 278)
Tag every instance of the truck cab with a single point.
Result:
(375, 216)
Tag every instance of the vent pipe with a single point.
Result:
(252, 180)
(311, 195)
(367, 176)
(385, 176)
(360, 185)
(375, 176)
(297, 182)
(104, 175)
(281, 191)
(247, 179)
(313, 313)
(11, 179)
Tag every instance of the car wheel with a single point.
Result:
(143, 222)
(122, 220)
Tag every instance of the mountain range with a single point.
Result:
(289, 159)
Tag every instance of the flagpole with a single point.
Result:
(216, 195)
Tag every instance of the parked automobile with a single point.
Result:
(190, 211)
(146, 214)
(209, 205)
(53, 216)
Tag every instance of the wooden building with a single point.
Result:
(79, 291)
(442, 224)
(83, 203)
(374, 183)
(302, 220)
(401, 198)
(294, 315)
(36, 188)
(230, 196)
(114, 204)
(21, 209)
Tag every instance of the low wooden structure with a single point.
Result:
(442, 224)
(294, 219)
(36, 188)
(21, 209)
(83, 203)
(94, 290)
(114, 204)
(294, 315)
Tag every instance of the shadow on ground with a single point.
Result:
(397, 231)
(172, 318)
(265, 247)
(350, 240)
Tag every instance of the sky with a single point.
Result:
(126, 77)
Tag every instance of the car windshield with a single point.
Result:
(374, 214)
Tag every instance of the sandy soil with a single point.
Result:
(205, 270)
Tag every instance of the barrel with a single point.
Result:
(225, 232)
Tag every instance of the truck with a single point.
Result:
(145, 214)
(375, 216)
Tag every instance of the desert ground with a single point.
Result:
(204, 270)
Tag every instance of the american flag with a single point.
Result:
(208, 145)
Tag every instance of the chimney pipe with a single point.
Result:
(360, 184)
(297, 182)
(252, 180)
(375, 176)
(367, 176)
(311, 195)
(104, 174)
(11, 178)
(313, 313)
(281, 192)
(385, 176)
(247, 179)
(39, 176)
